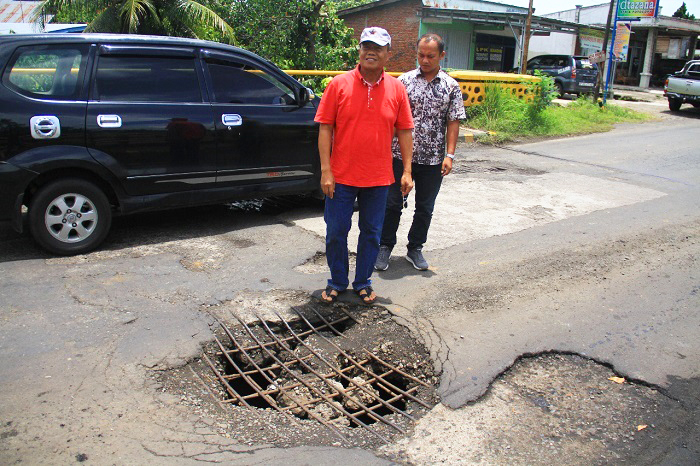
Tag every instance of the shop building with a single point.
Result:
(478, 34)
(657, 47)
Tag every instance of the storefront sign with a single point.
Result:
(622, 42)
(488, 57)
(637, 9)
(598, 57)
(591, 39)
(627, 10)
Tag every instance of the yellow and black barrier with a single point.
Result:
(472, 83)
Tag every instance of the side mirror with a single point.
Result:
(305, 95)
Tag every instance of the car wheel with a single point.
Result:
(559, 89)
(674, 104)
(70, 216)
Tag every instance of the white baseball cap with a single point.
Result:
(377, 35)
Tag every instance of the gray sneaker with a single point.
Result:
(415, 257)
(382, 262)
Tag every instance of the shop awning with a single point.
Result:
(538, 25)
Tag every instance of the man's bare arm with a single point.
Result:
(406, 146)
(325, 140)
(452, 135)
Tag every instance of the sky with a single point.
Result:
(549, 6)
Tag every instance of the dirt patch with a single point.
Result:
(318, 263)
(493, 168)
(563, 269)
(254, 305)
(658, 107)
(275, 205)
(198, 254)
(336, 385)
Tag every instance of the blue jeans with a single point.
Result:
(427, 180)
(338, 217)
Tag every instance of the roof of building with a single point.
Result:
(480, 5)
(661, 22)
(480, 12)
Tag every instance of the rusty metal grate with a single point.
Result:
(275, 365)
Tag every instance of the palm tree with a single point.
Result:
(185, 18)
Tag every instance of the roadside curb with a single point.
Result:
(470, 134)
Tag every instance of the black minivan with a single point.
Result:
(572, 74)
(94, 125)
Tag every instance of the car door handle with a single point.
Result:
(109, 121)
(231, 119)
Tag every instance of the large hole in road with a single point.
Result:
(317, 375)
(559, 408)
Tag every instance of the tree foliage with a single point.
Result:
(682, 12)
(295, 34)
(344, 4)
(185, 18)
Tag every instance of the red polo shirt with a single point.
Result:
(363, 117)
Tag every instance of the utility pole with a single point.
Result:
(596, 94)
(526, 41)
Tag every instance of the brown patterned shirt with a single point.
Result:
(433, 104)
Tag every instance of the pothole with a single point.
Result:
(320, 375)
(274, 205)
(552, 409)
(491, 167)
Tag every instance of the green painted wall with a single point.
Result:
(425, 27)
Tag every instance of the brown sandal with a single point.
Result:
(330, 297)
(365, 295)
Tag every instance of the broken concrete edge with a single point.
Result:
(462, 396)
(470, 134)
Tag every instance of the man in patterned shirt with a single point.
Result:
(437, 106)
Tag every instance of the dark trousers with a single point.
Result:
(426, 183)
(338, 216)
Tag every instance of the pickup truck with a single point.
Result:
(684, 86)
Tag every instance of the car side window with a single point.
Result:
(238, 83)
(122, 78)
(47, 72)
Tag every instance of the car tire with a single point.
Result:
(674, 104)
(559, 89)
(69, 216)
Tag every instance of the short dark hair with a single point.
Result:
(432, 37)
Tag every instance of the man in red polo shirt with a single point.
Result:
(359, 113)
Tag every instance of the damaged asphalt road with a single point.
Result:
(555, 267)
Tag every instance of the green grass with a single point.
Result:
(512, 119)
